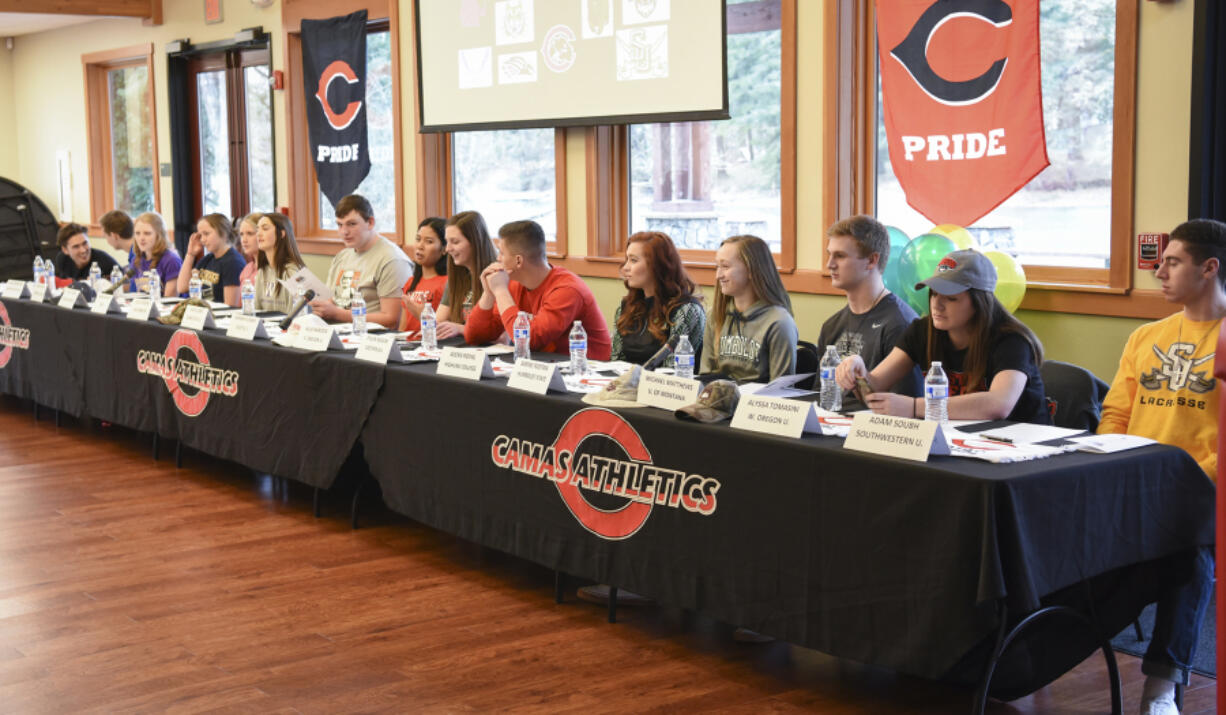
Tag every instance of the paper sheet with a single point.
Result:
(307, 280)
(1108, 443)
(1025, 433)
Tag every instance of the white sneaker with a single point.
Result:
(1161, 705)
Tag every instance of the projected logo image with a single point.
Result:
(597, 18)
(558, 48)
(642, 53)
(476, 68)
(517, 68)
(635, 12)
(471, 12)
(513, 20)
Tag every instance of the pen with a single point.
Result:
(994, 438)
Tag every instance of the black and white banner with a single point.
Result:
(334, 79)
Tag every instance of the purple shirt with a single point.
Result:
(167, 268)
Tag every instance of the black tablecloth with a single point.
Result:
(283, 411)
(871, 558)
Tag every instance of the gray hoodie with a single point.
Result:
(758, 345)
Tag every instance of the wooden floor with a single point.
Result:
(129, 585)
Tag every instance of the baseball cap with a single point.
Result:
(623, 391)
(961, 270)
(716, 402)
(175, 316)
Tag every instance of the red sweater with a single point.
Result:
(555, 304)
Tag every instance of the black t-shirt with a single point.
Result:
(65, 267)
(217, 273)
(1009, 351)
(872, 335)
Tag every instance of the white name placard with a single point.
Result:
(900, 437)
(246, 327)
(667, 392)
(197, 317)
(536, 377)
(317, 338)
(775, 415)
(378, 349)
(71, 298)
(142, 308)
(105, 303)
(464, 363)
(38, 292)
(14, 290)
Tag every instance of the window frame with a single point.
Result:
(850, 163)
(304, 186)
(95, 66)
(608, 184)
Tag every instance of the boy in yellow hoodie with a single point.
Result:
(1165, 389)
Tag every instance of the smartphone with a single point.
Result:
(863, 389)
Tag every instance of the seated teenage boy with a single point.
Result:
(1165, 390)
(522, 279)
(76, 255)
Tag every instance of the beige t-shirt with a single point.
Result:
(379, 272)
(267, 297)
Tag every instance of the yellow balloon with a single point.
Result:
(1010, 279)
(960, 236)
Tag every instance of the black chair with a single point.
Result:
(1074, 395)
(808, 359)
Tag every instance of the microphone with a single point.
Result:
(306, 298)
(661, 355)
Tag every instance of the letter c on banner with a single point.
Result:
(341, 69)
(912, 52)
(615, 524)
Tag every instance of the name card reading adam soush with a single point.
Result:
(668, 392)
(464, 363)
(899, 437)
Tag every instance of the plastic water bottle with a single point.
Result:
(357, 308)
(195, 287)
(117, 279)
(522, 336)
(936, 394)
(578, 350)
(683, 359)
(832, 394)
(429, 328)
(248, 293)
(38, 269)
(95, 275)
(155, 285)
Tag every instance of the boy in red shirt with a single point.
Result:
(522, 279)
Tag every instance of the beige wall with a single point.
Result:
(47, 98)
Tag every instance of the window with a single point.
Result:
(122, 139)
(312, 213)
(1072, 225)
(509, 175)
(701, 182)
(232, 157)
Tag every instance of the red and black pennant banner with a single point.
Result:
(962, 100)
(334, 79)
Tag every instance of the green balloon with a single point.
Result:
(891, 276)
(918, 262)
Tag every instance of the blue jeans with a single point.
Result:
(1187, 587)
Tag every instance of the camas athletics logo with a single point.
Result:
(11, 337)
(189, 377)
(605, 475)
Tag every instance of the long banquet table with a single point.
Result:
(907, 565)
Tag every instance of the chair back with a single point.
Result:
(808, 359)
(1074, 395)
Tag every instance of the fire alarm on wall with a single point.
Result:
(1149, 249)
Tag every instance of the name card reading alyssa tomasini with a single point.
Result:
(900, 437)
(464, 363)
(668, 392)
(775, 415)
(536, 376)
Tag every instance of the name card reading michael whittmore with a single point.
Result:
(464, 363)
(899, 437)
(668, 392)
